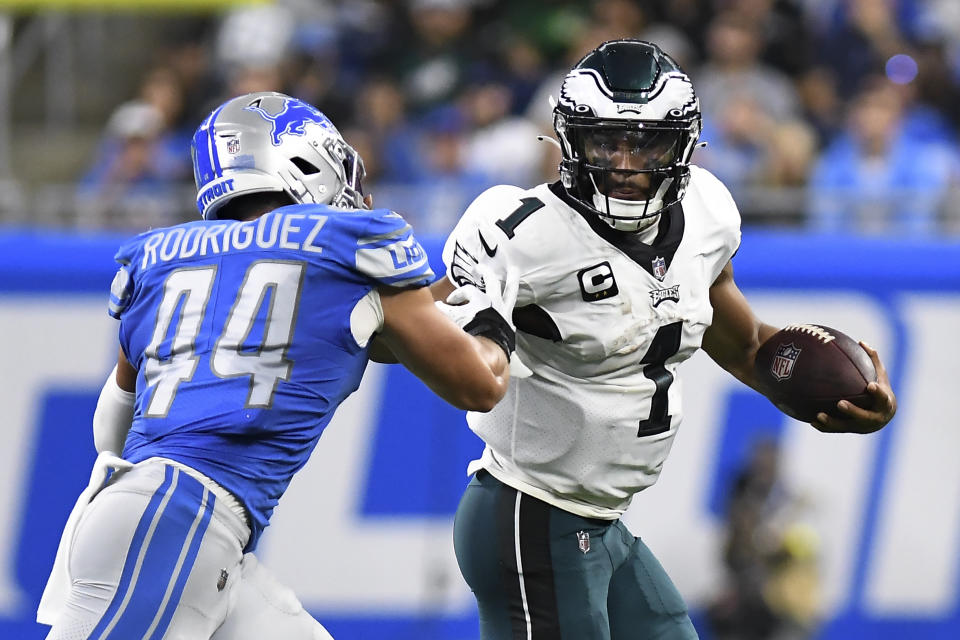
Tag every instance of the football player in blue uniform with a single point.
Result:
(240, 335)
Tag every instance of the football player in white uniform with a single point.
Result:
(625, 271)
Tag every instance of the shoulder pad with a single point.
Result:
(388, 252)
(128, 255)
(493, 204)
(713, 191)
(718, 211)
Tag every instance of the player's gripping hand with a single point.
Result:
(864, 419)
(486, 308)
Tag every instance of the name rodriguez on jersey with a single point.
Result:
(268, 232)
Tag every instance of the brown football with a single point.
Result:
(807, 368)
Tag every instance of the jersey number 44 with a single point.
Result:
(186, 293)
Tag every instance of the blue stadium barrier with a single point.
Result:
(364, 535)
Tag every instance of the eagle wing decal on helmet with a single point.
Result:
(584, 91)
(672, 88)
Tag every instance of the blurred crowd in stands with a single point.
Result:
(834, 115)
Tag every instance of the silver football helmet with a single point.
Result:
(271, 142)
(628, 120)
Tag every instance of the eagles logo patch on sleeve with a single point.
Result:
(462, 266)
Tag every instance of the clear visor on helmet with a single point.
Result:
(630, 164)
(630, 150)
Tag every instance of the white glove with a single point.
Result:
(466, 301)
(486, 311)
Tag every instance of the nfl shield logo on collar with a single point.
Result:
(659, 268)
(783, 361)
(583, 541)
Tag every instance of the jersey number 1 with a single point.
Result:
(665, 344)
(527, 206)
(185, 295)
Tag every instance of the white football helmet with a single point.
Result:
(271, 142)
(624, 110)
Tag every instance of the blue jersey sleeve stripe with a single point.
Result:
(423, 279)
(119, 292)
(388, 252)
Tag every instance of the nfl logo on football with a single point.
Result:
(659, 268)
(783, 361)
(233, 146)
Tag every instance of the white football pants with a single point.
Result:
(156, 556)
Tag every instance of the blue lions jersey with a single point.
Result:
(240, 333)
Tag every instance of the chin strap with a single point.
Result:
(629, 215)
(633, 226)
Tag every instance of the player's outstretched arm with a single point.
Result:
(378, 351)
(441, 289)
(468, 372)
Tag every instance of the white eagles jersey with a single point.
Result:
(603, 321)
